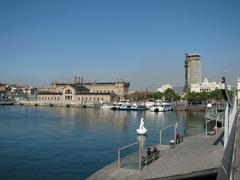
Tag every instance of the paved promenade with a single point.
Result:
(195, 155)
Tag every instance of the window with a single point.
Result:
(68, 91)
(68, 97)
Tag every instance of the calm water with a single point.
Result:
(72, 143)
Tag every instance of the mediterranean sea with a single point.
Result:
(72, 143)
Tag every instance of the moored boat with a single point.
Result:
(162, 107)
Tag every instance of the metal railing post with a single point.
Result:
(118, 158)
(140, 157)
(206, 128)
(175, 133)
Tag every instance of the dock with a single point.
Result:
(196, 155)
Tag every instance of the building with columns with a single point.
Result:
(79, 92)
(207, 86)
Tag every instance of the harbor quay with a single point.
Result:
(196, 156)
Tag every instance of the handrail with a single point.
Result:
(226, 170)
(139, 158)
(128, 146)
(175, 129)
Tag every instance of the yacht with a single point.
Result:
(136, 107)
(154, 108)
(161, 107)
(165, 107)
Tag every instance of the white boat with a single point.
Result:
(129, 107)
(141, 130)
(161, 107)
(136, 107)
(154, 108)
(106, 106)
(165, 107)
(149, 104)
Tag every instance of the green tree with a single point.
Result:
(170, 95)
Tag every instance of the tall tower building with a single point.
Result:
(192, 70)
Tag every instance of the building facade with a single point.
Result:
(83, 93)
(164, 87)
(192, 70)
(207, 86)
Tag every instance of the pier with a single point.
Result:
(196, 155)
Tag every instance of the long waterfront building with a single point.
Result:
(81, 93)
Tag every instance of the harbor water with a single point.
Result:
(72, 143)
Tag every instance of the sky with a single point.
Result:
(143, 42)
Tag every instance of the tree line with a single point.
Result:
(170, 95)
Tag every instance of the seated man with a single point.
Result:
(154, 150)
(149, 152)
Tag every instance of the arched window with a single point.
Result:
(68, 91)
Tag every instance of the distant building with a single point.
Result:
(164, 87)
(4, 87)
(192, 70)
(83, 92)
(207, 86)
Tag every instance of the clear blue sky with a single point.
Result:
(141, 41)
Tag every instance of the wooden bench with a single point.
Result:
(146, 160)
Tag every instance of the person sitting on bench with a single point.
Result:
(154, 150)
(149, 152)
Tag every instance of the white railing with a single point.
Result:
(228, 120)
(139, 145)
(175, 132)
